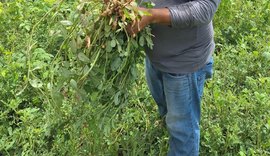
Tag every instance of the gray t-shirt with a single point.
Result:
(187, 44)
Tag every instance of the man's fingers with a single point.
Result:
(133, 23)
(132, 30)
(138, 27)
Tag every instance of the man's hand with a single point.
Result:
(159, 16)
(137, 26)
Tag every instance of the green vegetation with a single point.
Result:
(61, 96)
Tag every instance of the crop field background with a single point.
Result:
(72, 81)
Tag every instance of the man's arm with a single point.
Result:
(180, 16)
(193, 13)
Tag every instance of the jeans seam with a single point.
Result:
(190, 115)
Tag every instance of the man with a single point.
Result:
(178, 65)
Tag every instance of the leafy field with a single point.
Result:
(60, 96)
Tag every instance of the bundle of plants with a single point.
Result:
(94, 69)
(94, 57)
(98, 57)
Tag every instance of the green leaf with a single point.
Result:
(82, 57)
(79, 42)
(10, 131)
(10, 144)
(116, 98)
(41, 54)
(94, 96)
(36, 83)
(241, 153)
(127, 14)
(266, 55)
(113, 43)
(116, 64)
(149, 42)
(65, 73)
(119, 48)
(1, 7)
(141, 41)
(108, 46)
(149, 4)
(73, 84)
(107, 28)
(57, 97)
(73, 46)
(134, 43)
(85, 69)
(134, 72)
(49, 86)
(66, 22)
(27, 27)
(14, 103)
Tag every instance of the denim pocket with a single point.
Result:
(175, 75)
(175, 82)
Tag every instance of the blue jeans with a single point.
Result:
(178, 97)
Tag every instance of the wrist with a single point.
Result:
(152, 16)
(160, 16)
